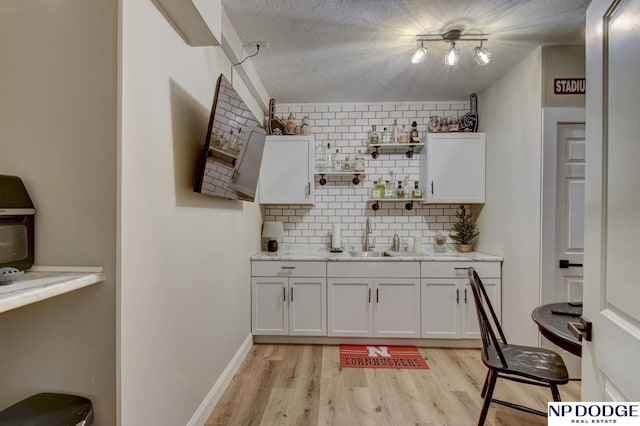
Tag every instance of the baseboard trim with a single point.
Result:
(209, 403)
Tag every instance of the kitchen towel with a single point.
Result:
(335, 237)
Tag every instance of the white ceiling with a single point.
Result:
(358, 50)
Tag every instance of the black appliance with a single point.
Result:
(17, 217)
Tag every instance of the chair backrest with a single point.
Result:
(490, 328)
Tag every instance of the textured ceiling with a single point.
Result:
(358, 50)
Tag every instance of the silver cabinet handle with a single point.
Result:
(288, 267)
(308, 188)
(291, 295)
(369, 295)
(457, 295)
(460, 269)
(284, 294)
(465, 295)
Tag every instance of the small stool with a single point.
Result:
(49, 409)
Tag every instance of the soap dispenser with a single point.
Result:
(395, 245)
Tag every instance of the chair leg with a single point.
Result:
(555, 392)
(492, 376)
(484, 387)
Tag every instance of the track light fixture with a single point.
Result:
(419, 55)
(481, 54)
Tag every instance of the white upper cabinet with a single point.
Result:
(453, 168)
(286, 172)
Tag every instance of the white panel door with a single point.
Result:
(307, 307)
(396, 310)
(469, 320)
(269, 306)
(611, 276)
(440, 308)
(570, 211)
(350, 307)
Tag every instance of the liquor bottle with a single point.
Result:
(388, 190)
(328, 159)
(375, 191)
(386, 138)
(417, 192)
(415, 136)
(337, 163)
(395, 132)
(358, 164)
(400, 190)
(374, 137)
(381, 187)
(407, 191)
(404, 136)
(346, 165)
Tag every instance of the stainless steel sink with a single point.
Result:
(367, 254)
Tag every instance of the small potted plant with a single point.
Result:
(464, 230)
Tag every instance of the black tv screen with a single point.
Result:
(229, 162)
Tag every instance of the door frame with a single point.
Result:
(551, 118)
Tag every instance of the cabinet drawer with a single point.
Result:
(373, 269)
(262, 268)
(459, 269)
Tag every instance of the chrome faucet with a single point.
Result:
(367, 231)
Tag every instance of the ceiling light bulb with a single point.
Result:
(451, 57)
(482, 55)
(419, 55)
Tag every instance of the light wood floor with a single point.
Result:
(304, 385)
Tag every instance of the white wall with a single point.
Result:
(58, 133)
(184, 279)
(509, 222)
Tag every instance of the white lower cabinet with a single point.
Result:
(361, 306)
(448, 307)
(285, 303)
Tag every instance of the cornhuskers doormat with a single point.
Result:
(362, 356)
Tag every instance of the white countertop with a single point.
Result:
(321, 254)
(43, 282)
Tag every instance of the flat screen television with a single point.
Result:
(228, 164)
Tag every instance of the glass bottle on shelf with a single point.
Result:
(404, 136)
(375, 191)
(386, 138)
(346, 165)
(358, 164)
(291, 124)
(328, 159)
(305, 128)
(380, 186)
(400, 190)
(320, 158)
(407, 191)
(395, 132)
(388, 190)
(337, 163)
(417, 192)
(415, 136)
(374, 137)
(227, 143)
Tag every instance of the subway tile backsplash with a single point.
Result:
(346, 126)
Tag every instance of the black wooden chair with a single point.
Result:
(523, 364)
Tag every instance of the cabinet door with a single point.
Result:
(441, 308)
(469, 320)
(307, 307)
(269, 306)
(455, 168)
(286, 172)
(397, 307)
(350, 307)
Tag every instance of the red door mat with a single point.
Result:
(369, 356)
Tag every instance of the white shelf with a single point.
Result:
(44, 282)
(395, 147)
(223, 153)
